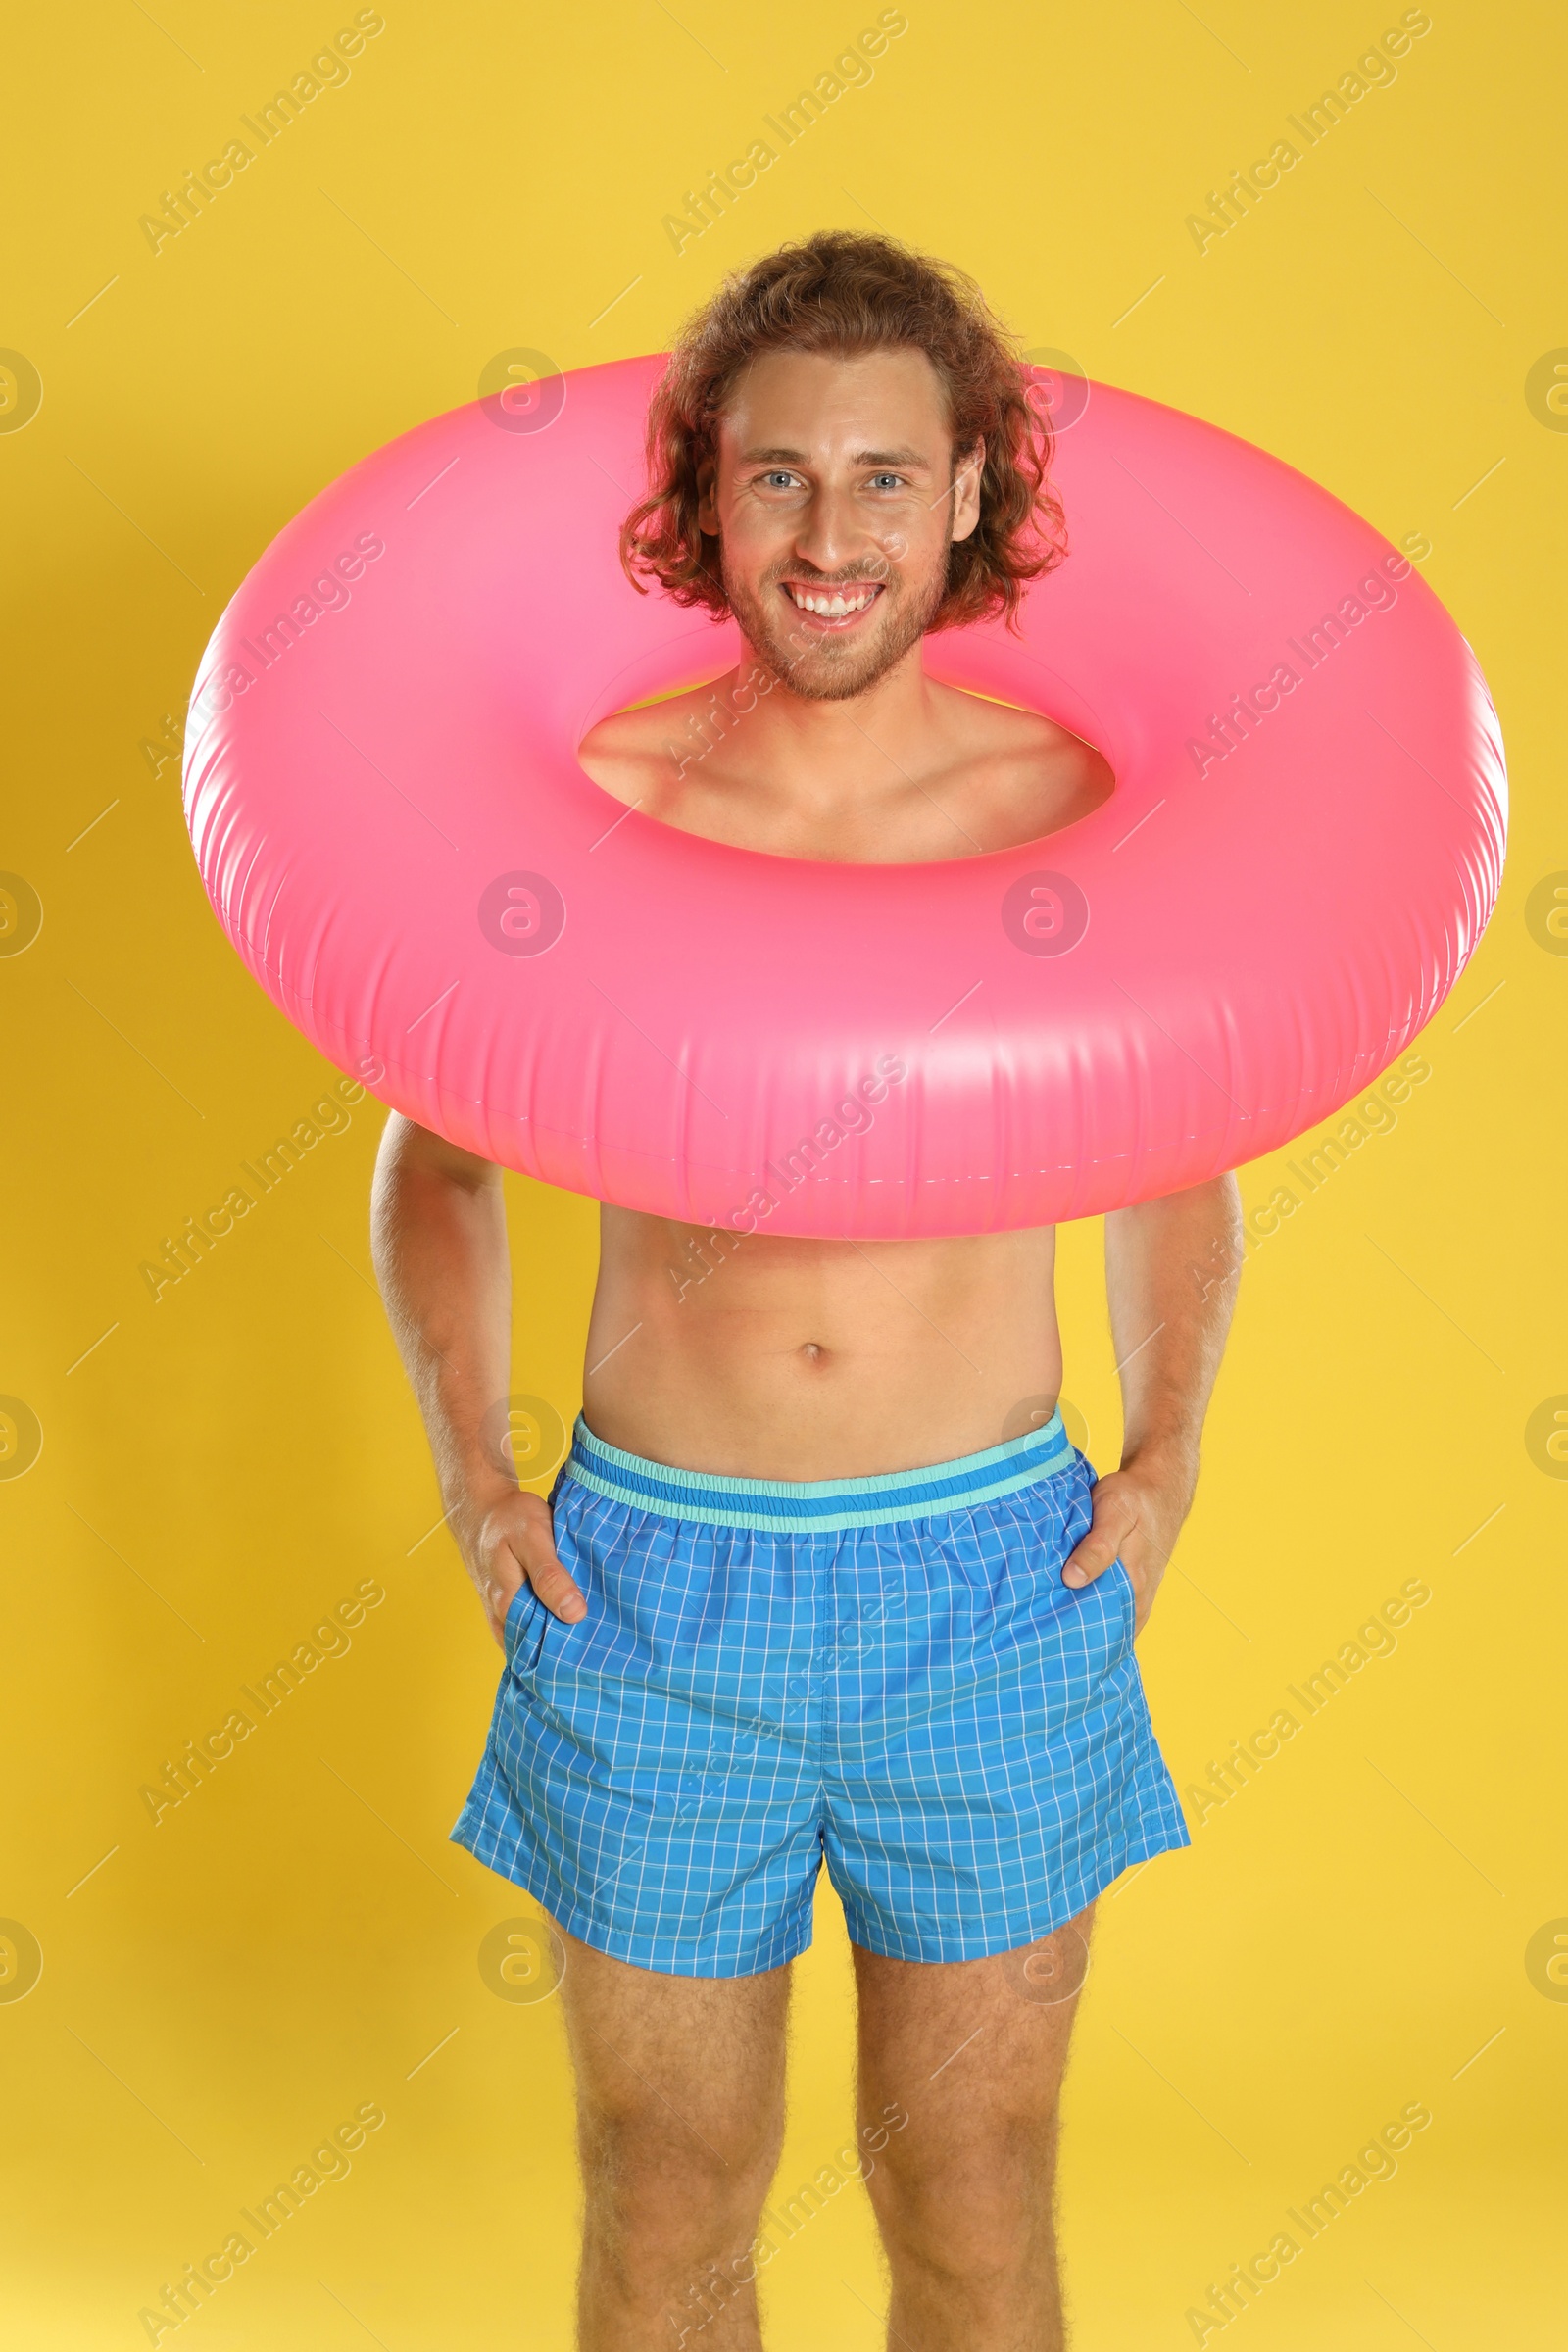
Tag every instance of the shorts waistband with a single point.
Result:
(825, 1506)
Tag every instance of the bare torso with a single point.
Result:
(769, 1358)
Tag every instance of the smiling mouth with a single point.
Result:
(833, 608)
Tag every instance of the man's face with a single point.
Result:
(834, 485)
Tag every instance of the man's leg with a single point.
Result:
(973, 2053)
(680, 2118)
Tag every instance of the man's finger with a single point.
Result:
(1094, 1555)
(556, 1589)
(530, 1541)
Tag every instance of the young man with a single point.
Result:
(823, 1575)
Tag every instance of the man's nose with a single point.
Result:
(832, 533)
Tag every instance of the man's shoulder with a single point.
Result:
(1007, 735)
(1028, 763)
(993, 726)
(625, 753)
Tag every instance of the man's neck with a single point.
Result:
(822, 755)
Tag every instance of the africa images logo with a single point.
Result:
(522, 914)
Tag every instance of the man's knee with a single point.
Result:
(971, 2207)
(686, 2182)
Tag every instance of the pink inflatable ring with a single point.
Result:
(1302, 848)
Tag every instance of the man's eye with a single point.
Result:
(887, 481)
(778, 481)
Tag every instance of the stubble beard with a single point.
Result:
(825, 672)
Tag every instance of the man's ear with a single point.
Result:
(967, 474)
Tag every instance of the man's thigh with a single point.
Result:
(956, 2056)
(685, 2068)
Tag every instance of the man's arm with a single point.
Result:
(438, 1233)
(1171, 1270)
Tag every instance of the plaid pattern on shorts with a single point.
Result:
(887, 1673)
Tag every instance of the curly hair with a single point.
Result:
(843, 293)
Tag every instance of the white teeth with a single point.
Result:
(834, 606)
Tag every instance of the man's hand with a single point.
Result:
(1138, 1515)
(513, 1538)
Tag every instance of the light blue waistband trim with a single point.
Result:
(798, 1507)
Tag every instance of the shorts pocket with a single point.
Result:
(1085, 1634)
(1123, 1581)
(523, 1628)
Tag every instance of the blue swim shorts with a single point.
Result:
(887, 1673)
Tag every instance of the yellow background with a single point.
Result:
(221, 1990)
